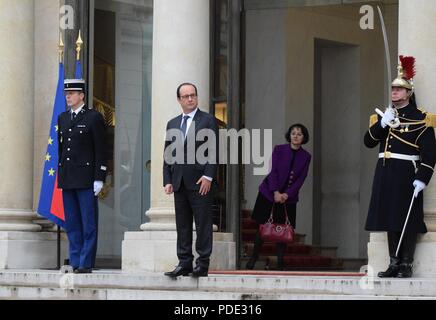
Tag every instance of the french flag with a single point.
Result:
(50, 199)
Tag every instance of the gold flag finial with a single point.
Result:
(79, 44)
(61, 48)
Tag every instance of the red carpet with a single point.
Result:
(287, 273)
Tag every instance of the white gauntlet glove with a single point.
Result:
(419, 186)
(389, 119)
(98, 185)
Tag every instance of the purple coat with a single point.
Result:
(278, 179)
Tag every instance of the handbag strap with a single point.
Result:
(270, 220)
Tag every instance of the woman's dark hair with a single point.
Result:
(303, 129)
(186, 84)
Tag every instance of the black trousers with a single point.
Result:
(407, 248)
(191, 206)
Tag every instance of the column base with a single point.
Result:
(18, 220)
(155, 251)
(30, 250)
(430, 220)
(162, 219)
(424, 265)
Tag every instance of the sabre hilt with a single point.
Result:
(394, 123)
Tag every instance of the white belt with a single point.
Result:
(390, 155)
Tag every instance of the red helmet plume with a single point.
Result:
(408, 64)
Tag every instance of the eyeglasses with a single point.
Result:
(192, 96)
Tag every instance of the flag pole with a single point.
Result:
(58, 240)
(79, 44)
(59, 247)
(61, 49)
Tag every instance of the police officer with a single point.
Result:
(407, 156)
(82, 172)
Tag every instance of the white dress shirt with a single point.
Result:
(78, 109)
(191, 117)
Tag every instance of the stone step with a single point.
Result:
(261, 264)
(302, 263)
(270, 248)
(25, 293)
(292, 249)
(107, 285)
(293, 264)
(318, 257)
(248, 223)
(324, 251)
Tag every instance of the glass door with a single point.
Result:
(120, 62)
(308, 62)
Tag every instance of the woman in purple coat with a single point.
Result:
(289, 167)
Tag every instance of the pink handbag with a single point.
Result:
(274, 232)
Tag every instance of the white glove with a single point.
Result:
(389, 119)
(98, 185)
(419, 186)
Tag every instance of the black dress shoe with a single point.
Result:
(200, 272)
(392, 270)
(178, 271)
(83, 270)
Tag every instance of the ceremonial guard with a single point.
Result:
(407, 156)
(82, 171)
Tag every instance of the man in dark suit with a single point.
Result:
(191, 180)
(82, 172)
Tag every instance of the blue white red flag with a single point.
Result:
(50, 199)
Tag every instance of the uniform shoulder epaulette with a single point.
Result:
(373, 120)
(430, 120)
(422, 110)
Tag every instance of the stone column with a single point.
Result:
(21, 244)
(46, 73)
(417, 39)
(16, 123)
(46, 78)
(181, 53)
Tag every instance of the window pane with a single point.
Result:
(122, 92)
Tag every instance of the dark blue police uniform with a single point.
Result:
(82, 161)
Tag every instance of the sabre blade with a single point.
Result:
(405, 225)
(388, 56)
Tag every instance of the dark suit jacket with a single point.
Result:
(82, 149)
(190, 171)
(280, 177)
